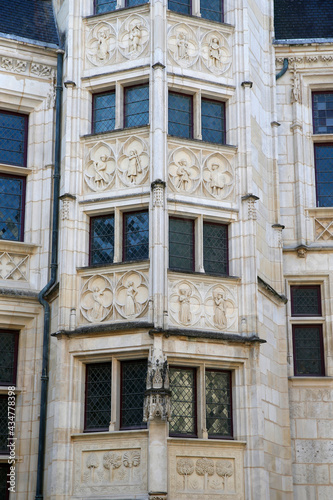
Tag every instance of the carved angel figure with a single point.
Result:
(135, 38)
(134, 166)
(185, 316)
(220, 318)
(182, 46)
(131, 293)
(215, 52)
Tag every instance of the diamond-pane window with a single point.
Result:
(104, 112)
(105, 6)
(136, 236)
(212, 121)
(4, 472)
(212, 9)
(308, 350)
(8, 357)
(133, 386)
(102, 240)
(3, 424)
(182, 6)
(136, 106)
(215, 248)
(324, 174)
(180, 115)
(322, 106)
(181, 244)
(12, 202)
(132, 3)
(305, 300)
(218, 404)
(183, 402)
(98, 397)
(13, 138)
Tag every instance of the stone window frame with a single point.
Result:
(198, 241)
(116, 359)
(197, 97)
(195, 8)
(12, 381)
(119, 244)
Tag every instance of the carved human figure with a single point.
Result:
(130, 305)
(101, 175)
(183, 176)
(215, 52)
(98, 307)
(220, 318)
(102, 52)
(216, 180)
(185, 316)
(182, 46)
(135, 38)
(134, 166)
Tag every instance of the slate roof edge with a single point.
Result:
(30, 41)
(302, 41)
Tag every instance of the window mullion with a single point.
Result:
(115, 396)
(197, 130)
(199, 261)
(119, 115)
(201, 401)
(196, 8)
(118, 231)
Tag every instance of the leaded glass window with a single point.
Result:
(181, 244)
(324, 174)
(102, 240)
(215, 248)
(218, 404)
(182, 6)
(105, 6)
(180, 115)
(212, 9)
(137, 106)
(104, 112)
(12, 202)
(98, 397)
(322, 105)
(13, 138)
(8, 357)
(212, 121)
(305, 300)
(3, 424)
(308, 350)
(183, 401)
(4, 471)
(136, 236)
(133, 386)
(132, 3)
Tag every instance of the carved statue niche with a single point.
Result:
(157, 396)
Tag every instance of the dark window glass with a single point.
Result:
(183, 402)
(136, 236)
(98, 397)
(137, 106)
(12, 201)
(305, 300)
(3, 424)
(8, 357)
(180, 115)
(322, 103)
(4, 471)
(132, 3)
(308, 350)
(105, 6)
(215, 248)
(212, 121)
(182, 6)
(218, 404)
(13, 138)
(133, 386)
(212, 9)
(104, 111)
(181, 244)
(102, 240)
(324, 174)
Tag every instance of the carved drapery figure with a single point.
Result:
(101, 178)
(102, 52)
(182, 46)
(183, 176)
(134, 166)
(98, 306)
(215, 52)
(135, 38)
(130, 306)
(220, 318)
(216, 179)
(185, 316)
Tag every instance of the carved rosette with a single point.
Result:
(185, 303)
(183, 45)
(215, 52)
(101, 44)
(184, 173)
(100, 166)
(157, 402)
(220, 308)
(218, 177)
(133, 163)
(133, 37)
(96, 299)
(131, 295)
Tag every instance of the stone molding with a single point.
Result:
(20, 66)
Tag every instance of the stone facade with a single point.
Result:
(259, 186)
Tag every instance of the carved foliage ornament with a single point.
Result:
(205, 475)
(114, 467)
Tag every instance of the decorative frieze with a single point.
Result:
(306, 60)
(14, 65)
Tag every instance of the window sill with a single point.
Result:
(207, 442)
(17, 246)
(102, 267)
(197, 273)
(192, 140)
(322, 138)
(200, 18)
(311, 381)
(12, 169)
(82, 436)
(116, 11)
(116, 131)
(320, 212)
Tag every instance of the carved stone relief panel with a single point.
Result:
(14, 65)
(323, 229)
(116, 164)
(113, 296)
(203, 303)
(117, 40)
(14, 267)
(196, 47)
(205, 473)
(115, 467)
(205, 172)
